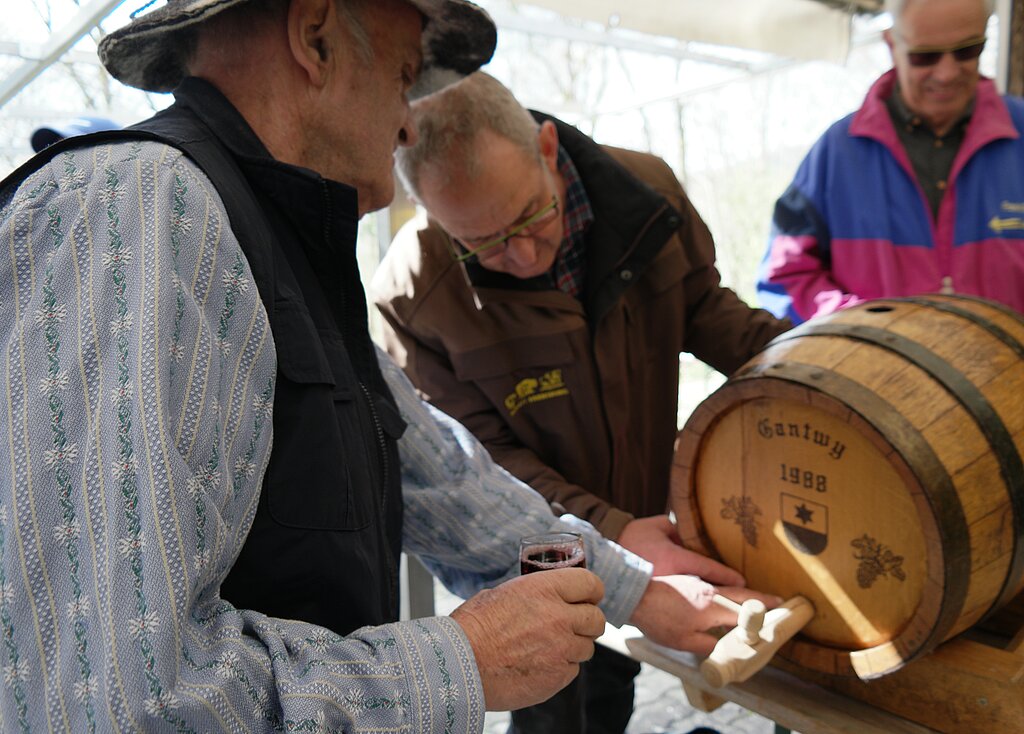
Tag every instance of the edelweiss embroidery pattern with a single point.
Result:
(180, 225)
(62, 455)
(16, 671)
(449, 694)
(161, 703)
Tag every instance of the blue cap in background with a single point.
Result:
(50, 134)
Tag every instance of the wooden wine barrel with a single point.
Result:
(870, 461)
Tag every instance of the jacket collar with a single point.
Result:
(990, 121)
(325, 212)
(624, 210)
(623, 205)
(207, 103)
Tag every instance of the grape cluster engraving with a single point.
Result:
(743, 512)
(875, 560)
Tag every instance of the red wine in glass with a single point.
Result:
(551, 550)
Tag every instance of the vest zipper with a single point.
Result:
(382, 448)
(381, 444)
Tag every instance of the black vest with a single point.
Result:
(325, 543)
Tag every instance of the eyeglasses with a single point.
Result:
(931, 55)
(487, 249)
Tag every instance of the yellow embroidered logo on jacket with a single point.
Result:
(550, 385)
(1001, 224)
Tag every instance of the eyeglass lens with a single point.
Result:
(931, 58)
(534, 223)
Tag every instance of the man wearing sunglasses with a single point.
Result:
(920, 191)
(545, 308)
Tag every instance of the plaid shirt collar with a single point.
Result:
(568, 272)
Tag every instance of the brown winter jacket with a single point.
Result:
(577, 398)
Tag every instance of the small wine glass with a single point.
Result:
(551, 550)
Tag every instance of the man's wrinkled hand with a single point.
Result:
(656, 540)
(530, 634)
(678, 611)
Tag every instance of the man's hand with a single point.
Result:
(655, 539)
(530, 634)
(677, 611)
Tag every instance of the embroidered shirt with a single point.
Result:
(569, 269)
(138, 374)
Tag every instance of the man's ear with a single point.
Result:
(887, 37)
(312, 28)
(547, 141)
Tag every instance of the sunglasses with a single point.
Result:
(931, 55)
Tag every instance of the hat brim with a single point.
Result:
(458, 38)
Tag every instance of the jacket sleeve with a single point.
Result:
(721, 329)
(139, 368)
(795, 278)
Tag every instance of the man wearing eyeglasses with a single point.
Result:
(919, 191)
(545, 307)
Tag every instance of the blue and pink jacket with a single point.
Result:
(855, 225)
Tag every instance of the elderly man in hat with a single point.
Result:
(172, 293)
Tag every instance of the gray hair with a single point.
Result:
(449, 122)
(350, 10)
(895, 8)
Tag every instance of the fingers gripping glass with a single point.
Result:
(931, 55)
(527, 228)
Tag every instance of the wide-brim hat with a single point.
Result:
(458, 38)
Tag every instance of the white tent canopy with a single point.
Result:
(739, 37)
(798, 29)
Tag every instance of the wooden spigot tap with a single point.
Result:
(759, 633)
